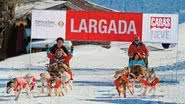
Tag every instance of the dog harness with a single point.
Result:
(153, 83)
(21, 82)
(33, 83)
(58, 83)
(70, 73)
(117, 82)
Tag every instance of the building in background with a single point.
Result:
(23, 20)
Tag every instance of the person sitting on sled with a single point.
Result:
(60, 58)
(51, 52)
(137, 60)
(138, 46)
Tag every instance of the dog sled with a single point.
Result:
(58, 77)
(133, 77)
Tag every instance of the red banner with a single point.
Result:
(103, 26)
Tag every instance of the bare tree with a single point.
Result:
(7, 21)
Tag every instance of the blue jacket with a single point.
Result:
(137, 62)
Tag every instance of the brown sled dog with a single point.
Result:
(122, 82)
(137, 70)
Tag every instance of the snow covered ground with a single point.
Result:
(94, 67)
(93, 86)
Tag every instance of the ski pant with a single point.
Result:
(145, 60)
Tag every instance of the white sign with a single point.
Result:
(162, 28)
(48, 24)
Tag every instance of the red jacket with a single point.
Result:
(138, 48)
(51, 56)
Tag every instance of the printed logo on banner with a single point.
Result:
(160, 22)
(160, 28)
(45, 26)
(42, 23)
(61, 23)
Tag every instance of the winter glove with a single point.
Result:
(50, 56)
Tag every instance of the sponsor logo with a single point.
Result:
(61, 23)
(41, 23)
(160, 28)
(160, 22)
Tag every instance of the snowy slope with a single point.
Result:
(146, 6)
(91, 56)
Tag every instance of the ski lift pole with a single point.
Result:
(30, 54)
(177, 54)
(176, 62)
